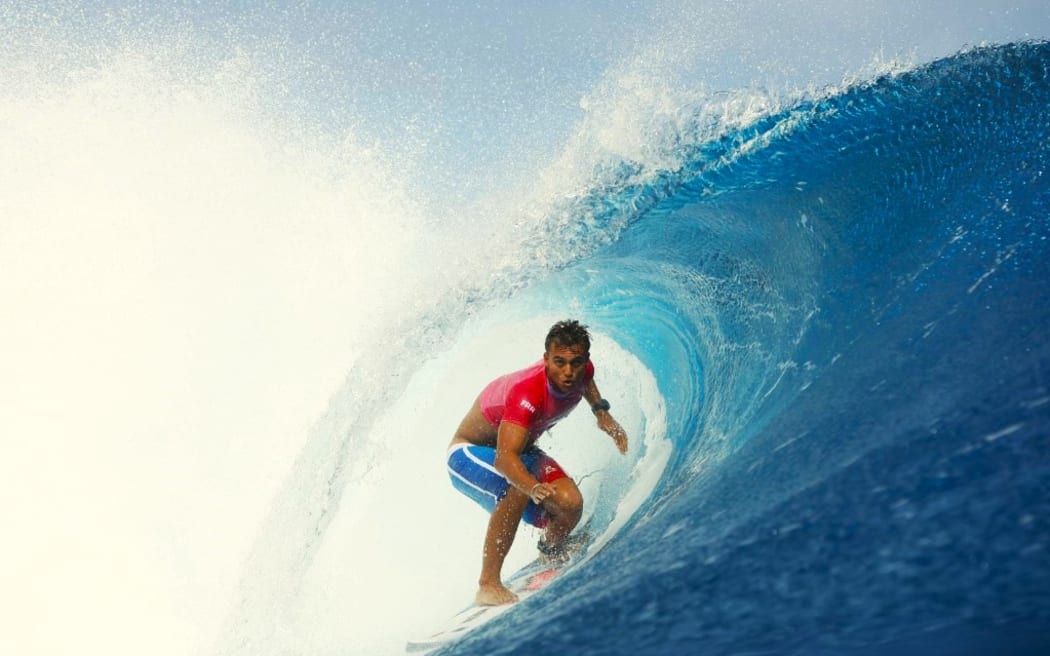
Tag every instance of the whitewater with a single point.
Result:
(257, 261)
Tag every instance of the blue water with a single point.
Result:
(844, 305)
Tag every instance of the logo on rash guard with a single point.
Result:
(528, 406)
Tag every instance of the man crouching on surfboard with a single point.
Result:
(493, 458)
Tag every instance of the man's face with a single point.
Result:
(565, 365)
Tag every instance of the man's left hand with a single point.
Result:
(613, 428)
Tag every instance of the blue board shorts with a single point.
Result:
(473, 472)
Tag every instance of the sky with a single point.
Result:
(503, 81)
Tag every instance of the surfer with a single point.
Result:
(493, 458)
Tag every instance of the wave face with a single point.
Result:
(844, 307)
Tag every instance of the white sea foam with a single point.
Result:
(181, 290)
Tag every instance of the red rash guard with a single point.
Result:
(526, 398)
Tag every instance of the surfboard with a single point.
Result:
(525, 582)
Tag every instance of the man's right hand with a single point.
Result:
(540, 492)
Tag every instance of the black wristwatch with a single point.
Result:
(600, 404)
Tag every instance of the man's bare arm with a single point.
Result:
(510, 442)
(605, 420)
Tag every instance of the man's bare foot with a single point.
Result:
(494, 594)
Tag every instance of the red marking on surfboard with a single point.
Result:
(540, 580)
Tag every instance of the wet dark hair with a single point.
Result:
(568, 333)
